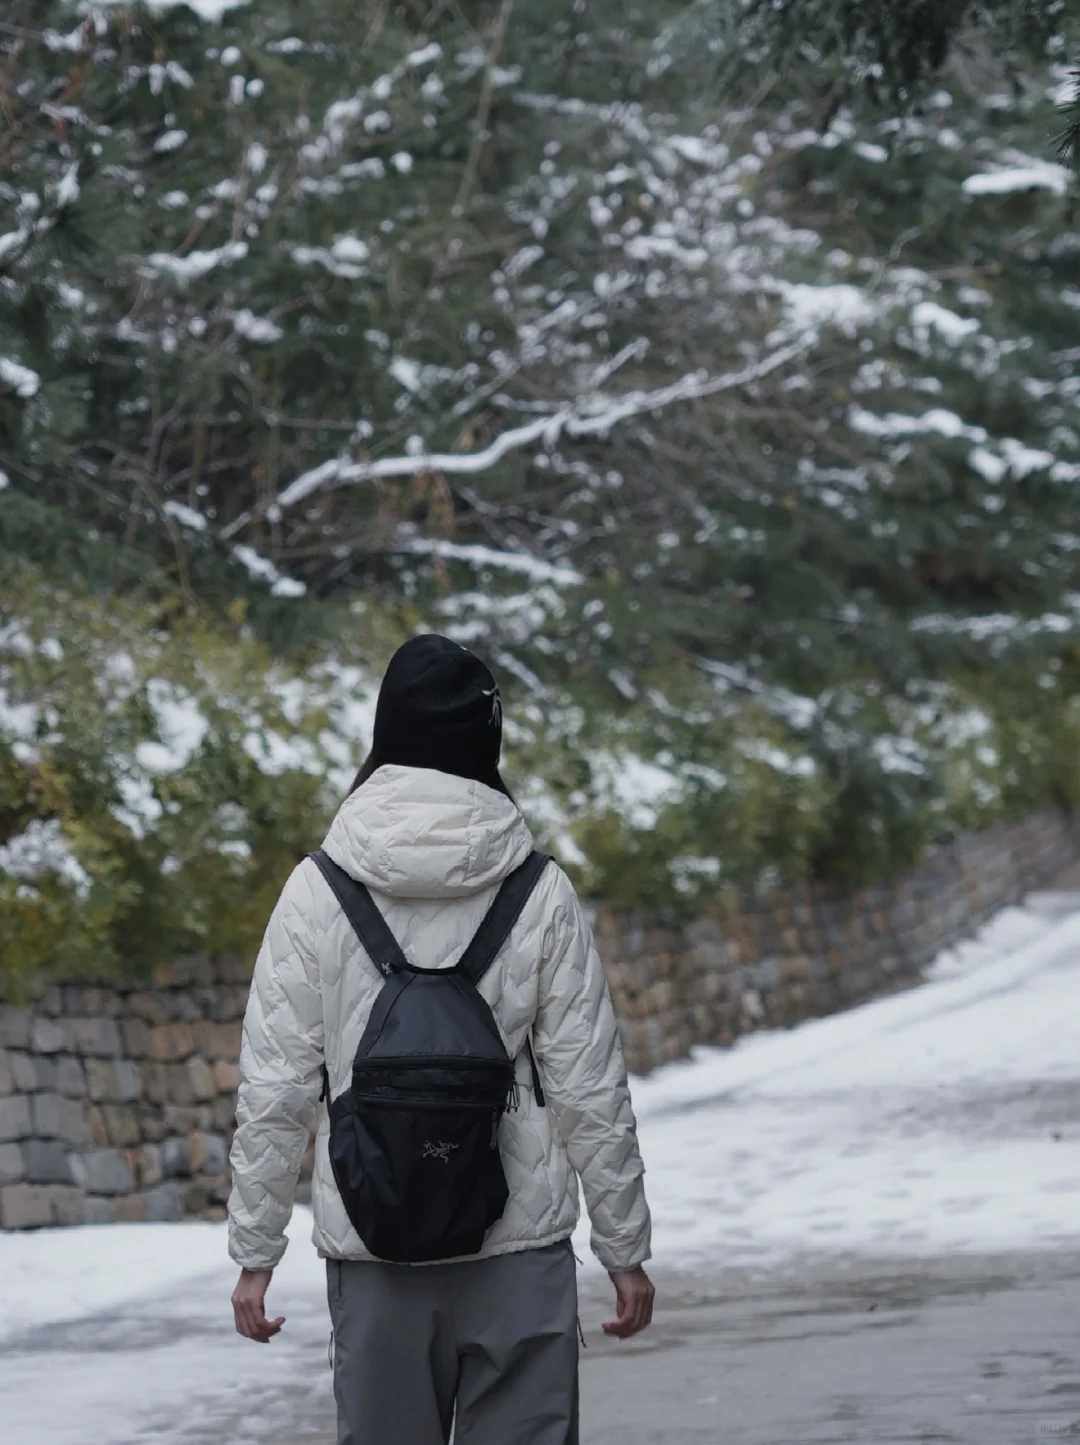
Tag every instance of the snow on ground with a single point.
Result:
(943, 1119)
(946, 1118)
(49, 1276)
(159, 1361)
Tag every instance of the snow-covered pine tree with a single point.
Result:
(894, 51)
(735, 417)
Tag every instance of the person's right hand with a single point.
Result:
(248, 1302)
(634, 1295)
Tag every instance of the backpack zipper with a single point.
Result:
(423, 1101)
(423, 1061)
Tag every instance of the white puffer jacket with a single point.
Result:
(433, 849)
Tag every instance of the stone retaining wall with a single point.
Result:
(805, 951)
(116, 1103)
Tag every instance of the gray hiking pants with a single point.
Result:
(495, 1339)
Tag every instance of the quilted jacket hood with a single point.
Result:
(417, 833)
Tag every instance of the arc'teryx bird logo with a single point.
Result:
(440, 1150)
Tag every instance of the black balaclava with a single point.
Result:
(439, 707)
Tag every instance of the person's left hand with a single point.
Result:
(248, 1302)
(634, 1294)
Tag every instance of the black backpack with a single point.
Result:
(414, 1141)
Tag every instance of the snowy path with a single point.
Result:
(942, 1121)
(945, 1118)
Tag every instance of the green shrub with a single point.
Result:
(158, 778)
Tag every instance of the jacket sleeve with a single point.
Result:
(280, 1078)
(581, 1066)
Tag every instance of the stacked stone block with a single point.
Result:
(117, 1103)
(807, 950)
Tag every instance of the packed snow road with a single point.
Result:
(867, 1229)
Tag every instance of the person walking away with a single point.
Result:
(465, 1064)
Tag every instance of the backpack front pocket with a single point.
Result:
(407, 1171)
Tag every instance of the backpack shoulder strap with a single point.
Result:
(501, 917)
(363, 913)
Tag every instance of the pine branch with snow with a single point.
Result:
(1069, 140)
